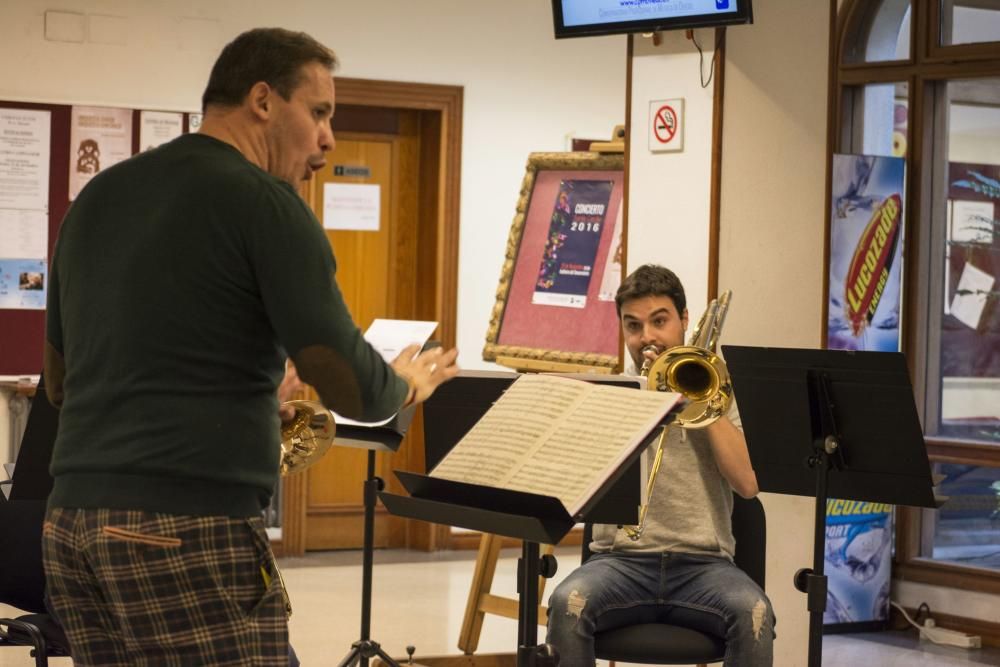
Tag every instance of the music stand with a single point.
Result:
(386, 438)
(847, 427)
(448, 415)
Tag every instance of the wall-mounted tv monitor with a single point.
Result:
(584, 18)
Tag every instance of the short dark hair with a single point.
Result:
(272, 55)
(651, 280)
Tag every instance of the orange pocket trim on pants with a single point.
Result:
(141, 538)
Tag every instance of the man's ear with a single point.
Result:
(260, 100)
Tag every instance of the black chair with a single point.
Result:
(666, 644)
(22, 579)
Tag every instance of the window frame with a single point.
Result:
(927, 69)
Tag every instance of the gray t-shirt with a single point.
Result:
(691, 506)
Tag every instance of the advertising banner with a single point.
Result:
(866, 248)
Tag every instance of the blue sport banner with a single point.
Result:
(858, 556)
(866, 260)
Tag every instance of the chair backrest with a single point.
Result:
(31, 479)
(22, 579)
(749, 530)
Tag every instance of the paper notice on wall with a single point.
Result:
(23, 283)
(24, 158)
(24, 234)
(972, 221)
(352, 206)
(99, 137)
(970, 296)
(194, 122)
(158, 127)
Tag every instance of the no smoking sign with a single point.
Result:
(666, 125)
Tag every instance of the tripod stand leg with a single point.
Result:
(364, 649)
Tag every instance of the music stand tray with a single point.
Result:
(838, 423)
(533, 518)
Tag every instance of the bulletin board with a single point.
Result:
(555, 299)
(22, 332)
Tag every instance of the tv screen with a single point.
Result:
(583, 18)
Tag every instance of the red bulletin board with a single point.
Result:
(522, 329)
(22, 332)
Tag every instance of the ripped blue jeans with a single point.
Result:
(705, 593)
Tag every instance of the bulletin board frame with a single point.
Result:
(528, 333)
(22, 332)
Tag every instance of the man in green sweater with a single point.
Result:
(173, 304)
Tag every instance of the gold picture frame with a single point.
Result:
(527, 335)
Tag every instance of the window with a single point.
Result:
(969, 21)
(932, 96)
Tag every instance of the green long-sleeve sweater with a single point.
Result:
(181, 279)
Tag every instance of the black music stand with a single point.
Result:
(830, 422)
(385, 438)
(448, 415)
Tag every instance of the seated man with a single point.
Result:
(681, 565)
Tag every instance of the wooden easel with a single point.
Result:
(482, 601)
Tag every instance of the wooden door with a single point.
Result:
(405, 138)
(376, 274)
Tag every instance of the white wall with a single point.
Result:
(771, 239)
(772, 204)
(524, 91)
(669, 193)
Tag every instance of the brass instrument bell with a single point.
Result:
(307, 437)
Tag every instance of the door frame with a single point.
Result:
(444, 223)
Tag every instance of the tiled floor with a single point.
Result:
(420, 598)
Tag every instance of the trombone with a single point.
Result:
(696, 372)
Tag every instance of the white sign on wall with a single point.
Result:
(351, 206)
(666, 125)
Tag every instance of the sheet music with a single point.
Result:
(389, 337)
(555, 436)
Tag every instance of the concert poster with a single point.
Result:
(574, 234)
(866, 247)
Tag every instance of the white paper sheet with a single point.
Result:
(24, 234)
(158, 127)
(25, 137)
(971, 221)
(351, 206)
(389, 337)
(968, 308)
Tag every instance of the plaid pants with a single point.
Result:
(136, 588)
